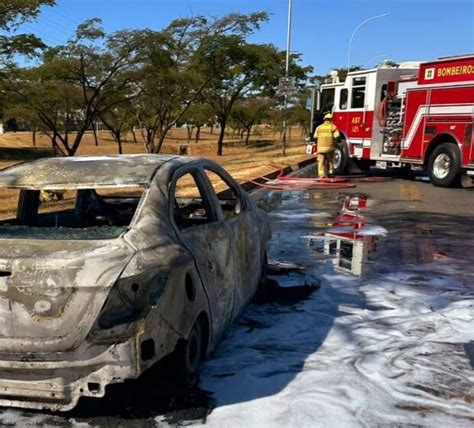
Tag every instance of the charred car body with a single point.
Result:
(108, 264)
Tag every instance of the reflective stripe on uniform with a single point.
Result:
(326, 134)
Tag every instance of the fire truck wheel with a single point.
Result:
(341, 159)
(444, 166)
(360, 165)
(405, 172)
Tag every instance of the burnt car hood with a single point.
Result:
(52, 291)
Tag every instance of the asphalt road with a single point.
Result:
(394, 232)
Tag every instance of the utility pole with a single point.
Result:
(287, 69)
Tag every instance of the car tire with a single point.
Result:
(189, 356)
(264, 271)
(341, 159)
(262, 288)
(444, 165)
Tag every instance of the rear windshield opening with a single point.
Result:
(99, 213)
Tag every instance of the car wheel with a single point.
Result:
(264, 270)
(341, 159)
(262, 288)
(190, 354)
(444, 166)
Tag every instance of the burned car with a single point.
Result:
(108, 264)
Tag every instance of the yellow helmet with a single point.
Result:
(328, 116)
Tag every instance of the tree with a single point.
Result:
(170, 80)
(249, 112)
(240, 69)
(235, 67)
(34, 96)
(175, 69)
(13, 13)
(77, 83)
(198, 115)
(119, 120)
(28, 118)
(298, 114)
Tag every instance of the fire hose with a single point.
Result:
(309, 186)
(283, 182)
(287, 183)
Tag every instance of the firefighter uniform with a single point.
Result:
(326, 136)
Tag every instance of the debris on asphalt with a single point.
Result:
(281, 267)
(273, 292)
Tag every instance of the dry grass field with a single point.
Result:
(241, 161)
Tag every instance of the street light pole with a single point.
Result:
(287, 70)
(372, 60)
(355, 31)
(288, 37)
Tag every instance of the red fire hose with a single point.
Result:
(309, 186)
(283, 182)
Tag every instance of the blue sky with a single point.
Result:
(414, 30)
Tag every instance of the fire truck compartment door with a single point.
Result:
(416, 110)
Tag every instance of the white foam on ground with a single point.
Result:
(368, 230)
(383, 352)
(18, 419)
(295, 215)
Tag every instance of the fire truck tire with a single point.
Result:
(405, 172)
(341, 159)
(360, 165)
(444, 165)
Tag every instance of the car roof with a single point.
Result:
(86, 171)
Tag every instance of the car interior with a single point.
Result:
(228, 198)
(190, 207)
(85, 208)
(189, 212)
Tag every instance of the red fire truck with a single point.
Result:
(409, 115)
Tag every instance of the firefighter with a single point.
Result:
(326, 136)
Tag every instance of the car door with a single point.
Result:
(245, 232)
(202, 231)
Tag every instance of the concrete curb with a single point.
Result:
(249, 186)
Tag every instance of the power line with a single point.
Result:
(44, 35)
(190, 9)
(67, 33)
(50, 22)
(57, 12)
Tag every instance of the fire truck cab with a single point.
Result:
(413, 115)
